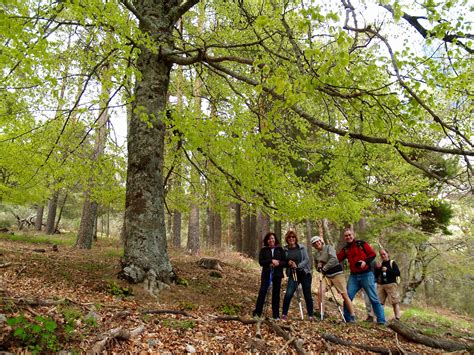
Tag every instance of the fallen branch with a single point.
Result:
(297, 343)
(336, 340)
(240, 319)
(5, 265)
(166, 311)
(116, 333)
(258, 332)
(413, 335)
(33, 301)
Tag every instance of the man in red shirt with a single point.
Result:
(360, 255)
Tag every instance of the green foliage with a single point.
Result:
(70, 315)
(179, 324)
(120, 291)
(230, 309)
(182, 282)
(215, 274)
(437, 217)
(39, 334)
(63, 239)
(188, 306)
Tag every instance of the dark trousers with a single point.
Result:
(305, 281)
(262, 294)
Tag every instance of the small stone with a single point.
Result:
(190, 349)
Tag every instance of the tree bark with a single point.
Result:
(411, 334)
(277, 230)
(217, 226)
(176, 229)
(39, 217)
(193, 230)
(87, 228)
(238, 228)
(308, 234)
(246, 236)
(61, 209)
(145, 255)
(52, 206)
(253, 238)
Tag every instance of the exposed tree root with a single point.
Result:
(411, 334)
(116, 333)
(336, 340)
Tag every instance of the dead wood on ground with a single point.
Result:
(336, 340)
(413, 335)
(116, 333)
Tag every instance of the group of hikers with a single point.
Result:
(293, 260)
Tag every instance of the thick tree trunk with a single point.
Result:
(238, 228)
(193, 230)
(39, 217)
(176, 229)
(145, 253)
(52, 206)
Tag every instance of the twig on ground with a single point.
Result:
(116, 333)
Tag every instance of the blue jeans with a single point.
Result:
(305, 281)
(367, 282)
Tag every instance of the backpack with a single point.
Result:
(360, 244)
(397, 278)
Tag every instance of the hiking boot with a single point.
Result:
(370, 319)
(311, 318)
(284, 317)
(351, 319)
(381, 324)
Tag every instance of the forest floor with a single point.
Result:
(71, 299)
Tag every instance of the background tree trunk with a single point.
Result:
(193, 230)
(39, 217)
(177, 229)
(238, 228)
(52, 206)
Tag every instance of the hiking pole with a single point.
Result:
(335, 300)
(298, 293)
(321, 295)
(268, 291)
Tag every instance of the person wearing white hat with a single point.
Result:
(326, 262)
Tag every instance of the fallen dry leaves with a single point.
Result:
(83, 279)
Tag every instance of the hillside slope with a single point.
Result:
(77, 290)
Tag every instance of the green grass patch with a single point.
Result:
(63, 239)
(230, 309)
(114, 253)
(433, 323)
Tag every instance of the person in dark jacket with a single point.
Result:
(297, 260)
(386, 275)
(360, 256)
(272, 261)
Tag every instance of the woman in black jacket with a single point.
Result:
(272, 260)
